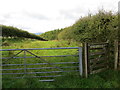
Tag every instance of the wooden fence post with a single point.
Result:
(116, 54)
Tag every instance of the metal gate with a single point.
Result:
(27, 63)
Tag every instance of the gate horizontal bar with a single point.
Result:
(47, 80)
(40, 48)
(39, 63)
(40, 56)
(37, 72)
(39, 68)
(34, 76)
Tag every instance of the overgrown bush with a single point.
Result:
(100, 27)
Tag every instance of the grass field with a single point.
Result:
(107, 79)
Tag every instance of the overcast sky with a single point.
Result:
(45, 15)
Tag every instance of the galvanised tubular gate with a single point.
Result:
(80, 66)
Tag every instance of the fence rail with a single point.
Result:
(74, 66)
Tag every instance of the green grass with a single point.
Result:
(107, 79)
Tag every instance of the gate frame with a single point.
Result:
(26, 50)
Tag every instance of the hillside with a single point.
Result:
(13, 32)
(51, 35)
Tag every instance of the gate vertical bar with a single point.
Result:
(86, 58)
(80, 61)
(25, 61)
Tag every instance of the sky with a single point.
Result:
(37, 16)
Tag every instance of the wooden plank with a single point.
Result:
(98, 43)
(98, 48)
(99, 70)
(97, 53)
(95, 64)
(98, 65)
(97, 59)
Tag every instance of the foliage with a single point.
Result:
(100, 27)
(51, 35)
(9, 31)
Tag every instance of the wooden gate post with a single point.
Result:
(116, 54)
